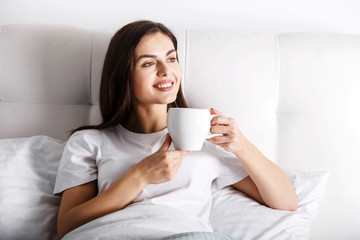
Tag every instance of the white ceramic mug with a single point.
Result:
(189, 127)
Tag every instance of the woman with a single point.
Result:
(129, 159)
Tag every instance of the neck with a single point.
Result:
(148, 119)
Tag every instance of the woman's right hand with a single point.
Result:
(161, 166)
(81, 204)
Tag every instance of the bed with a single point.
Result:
(294, 95)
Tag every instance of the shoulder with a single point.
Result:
(87, 136)
(95, 136)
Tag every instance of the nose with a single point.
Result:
(163, 70)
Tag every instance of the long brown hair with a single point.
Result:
(116, 79)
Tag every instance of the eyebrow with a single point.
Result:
(154, 56)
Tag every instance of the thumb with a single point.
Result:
(166, 144)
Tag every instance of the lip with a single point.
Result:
(164, 82)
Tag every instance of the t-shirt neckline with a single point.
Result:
(142, 136)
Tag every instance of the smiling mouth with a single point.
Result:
(164, 86)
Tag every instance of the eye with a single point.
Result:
(148, 64)
(172, 60)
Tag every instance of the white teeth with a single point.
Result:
(164, 85)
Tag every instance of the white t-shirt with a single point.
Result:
(108, 154)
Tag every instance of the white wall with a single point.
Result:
(339, 16)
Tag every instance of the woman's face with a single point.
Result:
(156, 74)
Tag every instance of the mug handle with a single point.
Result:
(210, 135)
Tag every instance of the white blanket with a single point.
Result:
(139, 221)
(28, 210)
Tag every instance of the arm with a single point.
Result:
(266, 182)
(81, 204)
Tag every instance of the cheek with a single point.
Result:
(140, 86)
(141, 90)
(177, 71)
(177, 74)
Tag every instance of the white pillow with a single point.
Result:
(236, 214)
(28, 166)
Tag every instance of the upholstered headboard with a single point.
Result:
(295, 96)
(49, 84)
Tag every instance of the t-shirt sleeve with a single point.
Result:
(231, 169)
(78, 162)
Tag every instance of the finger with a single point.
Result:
(221, 120)
(218, 140)
(177, 161)
(174, 162)
(214, 111)
(178, 164)
(166, 144)
(179, 153)
(220, 129)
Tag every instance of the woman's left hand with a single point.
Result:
(266, 183)
(232, 140)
